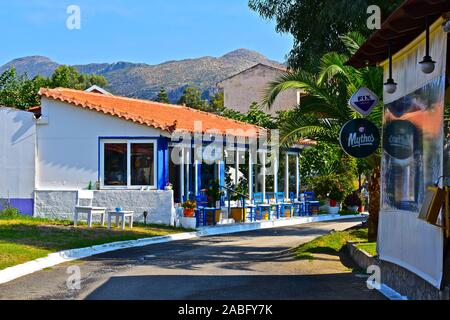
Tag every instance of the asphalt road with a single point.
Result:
(248, 265)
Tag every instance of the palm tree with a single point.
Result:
(324, 110)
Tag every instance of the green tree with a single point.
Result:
(325, 109)
(68, 77)
(254, 116)
(19, 91)
(217, 103)
(317, 24)
(257, 116)
(162, 96)
(192, 97)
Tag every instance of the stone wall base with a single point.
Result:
(398, 278)
(61, 204)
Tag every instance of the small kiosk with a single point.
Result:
(412, 47)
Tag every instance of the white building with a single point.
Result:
(247, 87)
(126, 150)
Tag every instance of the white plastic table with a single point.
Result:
(121, 215)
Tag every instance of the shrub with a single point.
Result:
(333, 186)
(336, 195)
(353, 200)
(9, 212)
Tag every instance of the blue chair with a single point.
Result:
(298, 205)
(200, 213)
(283, 205)
(309, 195)
(274, 207)
(313, 207)
(260, 206)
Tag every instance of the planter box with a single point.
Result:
(189, 223)
(333, 210)
(238, 215)
(354, 209)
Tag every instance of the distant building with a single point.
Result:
(248, 86)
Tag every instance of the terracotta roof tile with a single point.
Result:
(307, 142)
(166, 117)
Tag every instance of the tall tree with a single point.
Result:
(20, 92)
(217, 103)
(68, 77)
(162, 96)
(192, 97)
(325, 110)
(317, 24)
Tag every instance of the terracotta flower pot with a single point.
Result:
(189, 212)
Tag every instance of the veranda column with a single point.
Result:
(188, 176)
(182, 175)
(236, 169)
(286, 177)
(275, 173)
(263, 169)
(250, 175)
(197, 178)
(297, 176)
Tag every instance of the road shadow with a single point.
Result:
(220, 250)
(189, 287)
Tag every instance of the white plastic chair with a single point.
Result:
(88, 209)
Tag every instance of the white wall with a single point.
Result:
(61, 204)
(17, 147)
(67, 147)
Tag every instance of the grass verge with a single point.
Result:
(369, 247)
(24, 239)
(333, 244)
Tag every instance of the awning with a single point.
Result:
(401, 27)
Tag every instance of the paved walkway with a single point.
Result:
(248, 265)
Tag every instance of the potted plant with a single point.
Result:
(353, 202)
(189, 208)
(214, 193)
(335, 196)
(237, 213)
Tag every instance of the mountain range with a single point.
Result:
(141, 80)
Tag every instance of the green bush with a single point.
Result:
(332, 186)
(353, 200)
(9, 212)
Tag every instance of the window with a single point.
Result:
(115, 164)
(128, 164)
(142, 160)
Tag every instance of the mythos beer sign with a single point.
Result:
(363, 101)
(359, 138)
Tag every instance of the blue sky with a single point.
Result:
(150, 31)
